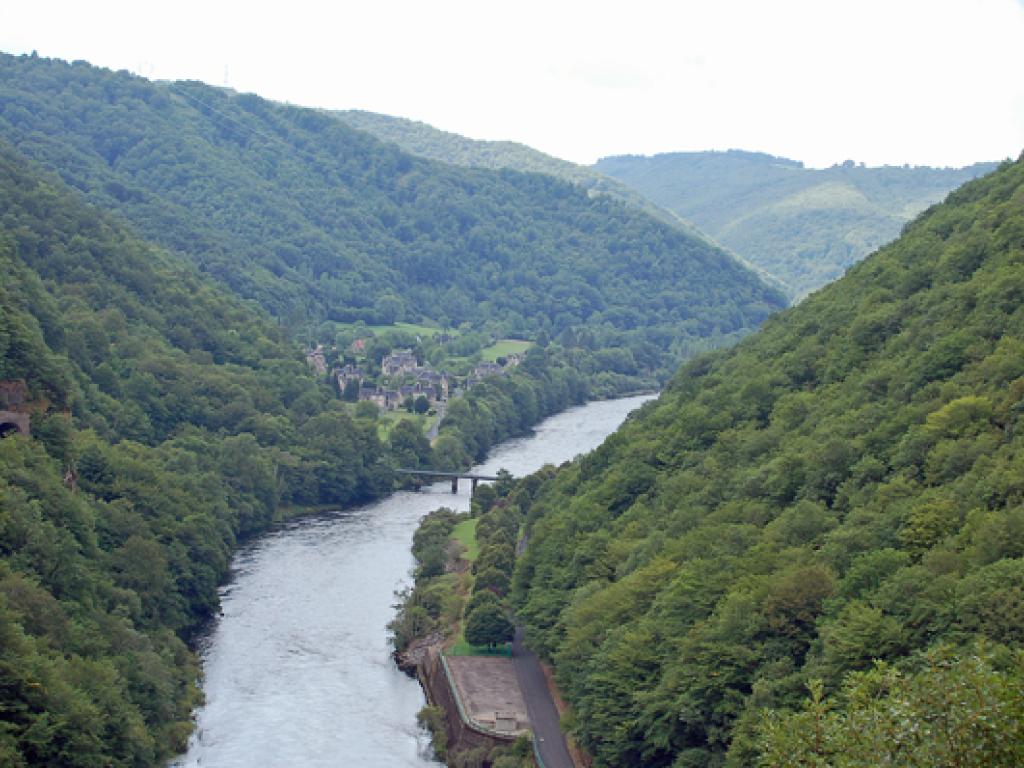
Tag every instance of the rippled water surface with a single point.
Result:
(297, 670)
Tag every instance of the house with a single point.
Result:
(400, 361)
(485, 370)
(348, 373)
(419, 388)
(385, 399)
(435, 379)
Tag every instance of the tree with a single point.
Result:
(409, 446)
(488, 625)
(481, 598)
(505, 483)
(960, 712)
(421, 404)
(351, 392)
(498, 556)
(367, 410)
(492, 579)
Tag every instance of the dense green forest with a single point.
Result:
(500, 407)
(426, 141)
(168, 420)
(802, 225)
(320, 222)
(842, 488)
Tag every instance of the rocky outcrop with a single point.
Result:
(413, 657)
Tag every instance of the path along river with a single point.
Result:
(297, 670)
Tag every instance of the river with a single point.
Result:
(297, 670)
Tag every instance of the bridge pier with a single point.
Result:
(472, 485)
(453, 476)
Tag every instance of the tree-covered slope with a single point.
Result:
(424, 140)
(804, 226)
(843, 486)
(314, 219)
(168, 419)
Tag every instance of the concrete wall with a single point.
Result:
(461, 735)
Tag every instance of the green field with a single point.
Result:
(504, 348)
(386, 421)
(465, 534)
(462, 648)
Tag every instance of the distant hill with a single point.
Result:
(319, 222)
(841, 487)
(802, 225)
(427, 141)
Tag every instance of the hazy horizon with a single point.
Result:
(915, 82)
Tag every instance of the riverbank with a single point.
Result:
(456, 615)
(464, 567)
(298, 671)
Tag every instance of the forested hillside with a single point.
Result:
(317, 221)
(843, 486)
(168, 420)
(426, 141)
(804, 226)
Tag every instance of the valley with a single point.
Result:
(739, 439)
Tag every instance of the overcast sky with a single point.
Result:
(929, 82)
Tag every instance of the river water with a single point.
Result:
(298, 669)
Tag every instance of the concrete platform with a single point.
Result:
(490, 692)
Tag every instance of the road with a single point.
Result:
(432, 432)
(539, 706)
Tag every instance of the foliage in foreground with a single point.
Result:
(955, 712)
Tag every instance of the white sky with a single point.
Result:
(930, 82)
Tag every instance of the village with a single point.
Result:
(405, 382)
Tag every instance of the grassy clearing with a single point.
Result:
(504, 348)
(386, 421)
(462, 648)
(465, 534)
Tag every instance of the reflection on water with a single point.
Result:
(297, 670)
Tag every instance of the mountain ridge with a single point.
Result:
(803, 225)
(425, 140)
(323, 224)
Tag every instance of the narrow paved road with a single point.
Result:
(432, 432)
(539, 707)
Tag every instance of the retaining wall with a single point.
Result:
(462, 734)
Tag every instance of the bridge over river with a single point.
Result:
(453, 476)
